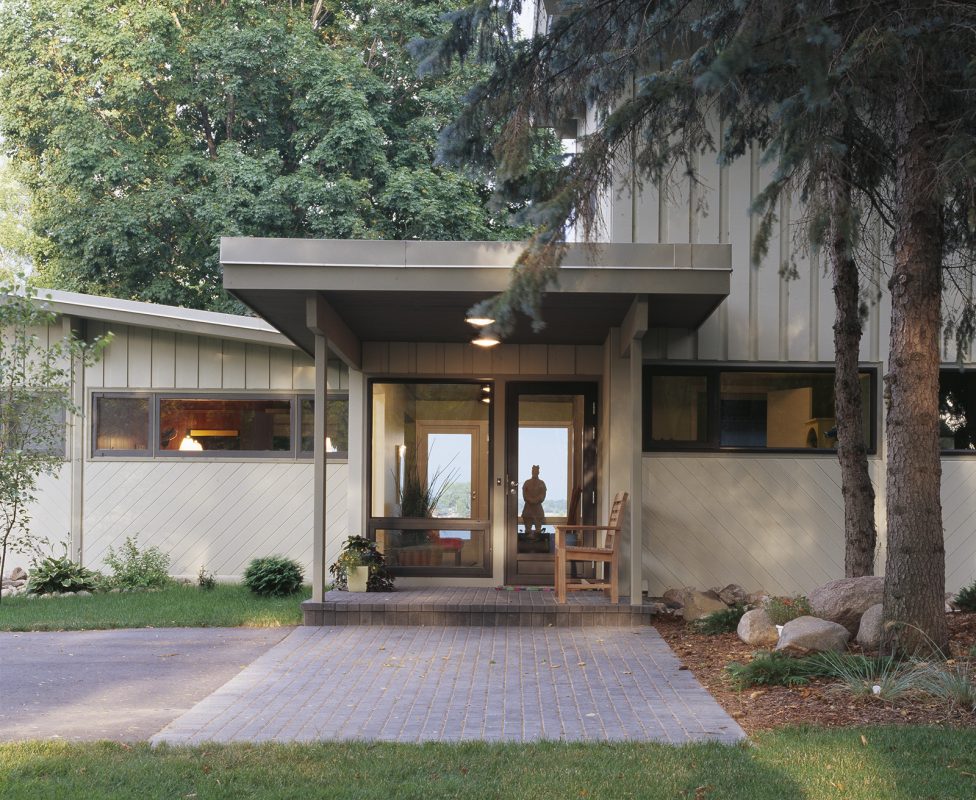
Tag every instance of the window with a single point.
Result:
(213, 425)
(429, 456)
(957, 405)
(746, 409)
(121, 424)
(337, 411)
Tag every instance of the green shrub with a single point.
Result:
(966, 599)
(775, 669)
(720, 621)
(52, 574)
(783, 609)
(274, 576)
(360, 551)
(206, 580)
(133, 568)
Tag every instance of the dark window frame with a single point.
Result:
(374, 523)
(294, 453)
(712, 374)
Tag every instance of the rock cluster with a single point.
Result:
(14, 584)
(845, 609)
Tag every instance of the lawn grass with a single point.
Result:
(895, 763)
(227, 605)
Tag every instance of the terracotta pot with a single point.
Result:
(357, 578)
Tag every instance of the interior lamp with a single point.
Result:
(479, 322)
(486, 340)
(189, 443)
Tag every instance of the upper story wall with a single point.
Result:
(147, 358)
(779, 310)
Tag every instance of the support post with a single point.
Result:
(637, 471)
(319, 483)
(72, 326)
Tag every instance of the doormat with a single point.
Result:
(524, 589)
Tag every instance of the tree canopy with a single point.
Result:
(145, 131)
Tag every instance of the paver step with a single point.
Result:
(488, 608)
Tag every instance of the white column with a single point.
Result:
(75, 433)
(319, 480)
(637, 471)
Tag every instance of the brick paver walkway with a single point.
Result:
(412, 684)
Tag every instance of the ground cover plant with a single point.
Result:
(61, 575)
(784, 609)
(227, 605)
(856, 764)
(273, 576)
(133, 568)
(720, 621)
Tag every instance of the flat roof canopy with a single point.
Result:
(419, 291)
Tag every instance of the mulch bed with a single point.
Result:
(818, 703)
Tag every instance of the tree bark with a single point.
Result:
(860, 532)
(915, 568)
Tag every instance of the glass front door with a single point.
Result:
(550, 472)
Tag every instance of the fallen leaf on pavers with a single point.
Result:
(556, 666)
(628, 673)
(580, 663)
(682, 667)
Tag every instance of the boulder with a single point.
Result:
(757, 629)
(812, 635)
(701, 604)
(869, 631)
(18, 574)
(733, 594)
(844, 601)
(674, 598)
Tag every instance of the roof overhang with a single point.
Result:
(153, 315)
(419, 291)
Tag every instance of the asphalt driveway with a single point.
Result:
(123, 685)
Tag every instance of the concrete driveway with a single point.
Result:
(123, 685)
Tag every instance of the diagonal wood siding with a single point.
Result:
(959, 521)
(216, 514)
(763, 522)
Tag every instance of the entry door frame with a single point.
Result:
(589, 499)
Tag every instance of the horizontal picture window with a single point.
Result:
(745, 409)
(164, 425)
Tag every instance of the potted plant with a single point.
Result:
(359, 552)
(357, 573)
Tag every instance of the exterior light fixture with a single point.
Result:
(486, 340)
(479, 322)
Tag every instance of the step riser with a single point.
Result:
(572, 617)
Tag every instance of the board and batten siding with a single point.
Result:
(438, 359)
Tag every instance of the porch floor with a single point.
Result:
(489, 608)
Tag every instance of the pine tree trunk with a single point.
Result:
(915, 567)
(860, 533)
